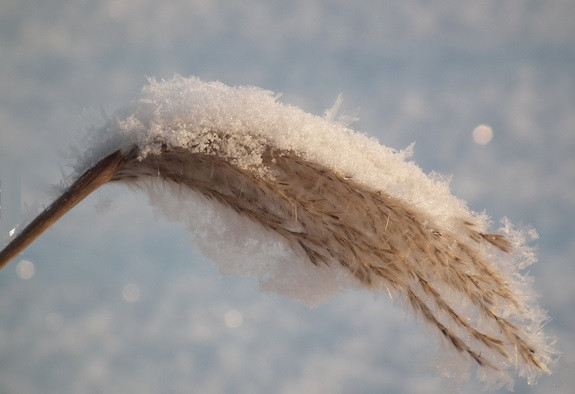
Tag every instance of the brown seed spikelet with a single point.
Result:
(448, 274)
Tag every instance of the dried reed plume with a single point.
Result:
(459, 278)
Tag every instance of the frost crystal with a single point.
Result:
(311, 207)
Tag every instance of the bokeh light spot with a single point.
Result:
(482, 134)
(233, 318)
(131, 292)
(25, 269)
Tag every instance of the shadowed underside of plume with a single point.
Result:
(382, 242)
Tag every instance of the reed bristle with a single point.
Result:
(377, 238)
(381, 219)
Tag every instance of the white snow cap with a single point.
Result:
(187, 112)
(288, 191)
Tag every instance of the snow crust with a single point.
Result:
(240, 125)
(191, 114)
(187, 113)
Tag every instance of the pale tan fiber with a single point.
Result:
(460, 279)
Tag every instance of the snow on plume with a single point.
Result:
(188, 113)
(311, 207)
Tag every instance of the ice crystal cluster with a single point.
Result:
(310, 207)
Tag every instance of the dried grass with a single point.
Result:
(379, 240)
(446, 277)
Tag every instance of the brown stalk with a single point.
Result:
(92, 179)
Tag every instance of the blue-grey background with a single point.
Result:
(114, 300)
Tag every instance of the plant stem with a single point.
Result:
(89, 181)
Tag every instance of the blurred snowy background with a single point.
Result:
(114, 300)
